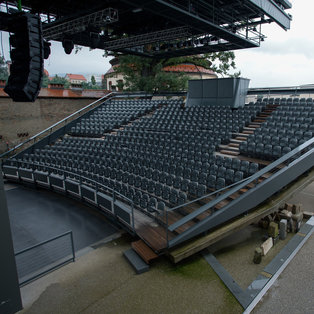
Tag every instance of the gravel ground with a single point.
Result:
(103, 282)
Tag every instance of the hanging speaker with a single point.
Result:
(27, 56)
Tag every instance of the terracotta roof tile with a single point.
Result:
(76, 77)
(187, 68)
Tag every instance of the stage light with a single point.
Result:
(68, 46)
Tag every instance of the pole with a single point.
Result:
(10, 297)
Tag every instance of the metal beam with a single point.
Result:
(55, 30)
(199, 24)
(272, 10)
(148, 38)
(251, 198)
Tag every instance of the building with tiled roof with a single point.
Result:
(75, 78)
(195, 72)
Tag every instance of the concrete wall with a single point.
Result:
(34, 117)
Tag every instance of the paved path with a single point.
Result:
(38, 215)
(293, 292)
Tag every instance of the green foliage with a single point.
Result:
(223, 62)
(3, 69)
(90, 85)
(146, 74)
(120, 85)
(45, 80)
(60, 80)
(93, 80)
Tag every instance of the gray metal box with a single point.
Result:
(218, 92)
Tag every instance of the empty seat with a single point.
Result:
(229, 176)
(174, 195)
(201, 190)
(152, 205)
(253, 168)
(238, 176)
(220, 183)
(161, 206)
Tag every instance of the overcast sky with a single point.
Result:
(285, 58)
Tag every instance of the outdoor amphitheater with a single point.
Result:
(191, 201)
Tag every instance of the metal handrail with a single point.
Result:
(249, 180)
(207, 195)
(49, 267)
(56, 124)
(116, 94)
(43, 242)
(81, 179)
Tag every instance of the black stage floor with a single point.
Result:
(38, 215)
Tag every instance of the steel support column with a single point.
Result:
(10, 298)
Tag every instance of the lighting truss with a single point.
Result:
(97, 19)
(148, 38)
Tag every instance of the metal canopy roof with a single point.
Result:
(158, 28)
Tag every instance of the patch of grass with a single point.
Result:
(195, 268)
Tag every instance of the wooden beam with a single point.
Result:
(202, 242)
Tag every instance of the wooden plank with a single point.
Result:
(154, 236)
(144, 251)
(228, 152)
(174, 217)
(227, 147)
(235, 141)
(196, 245)
(234, 145)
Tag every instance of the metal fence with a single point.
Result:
(37, 260)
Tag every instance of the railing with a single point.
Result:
(62, 123)
(87, 181)
(290, 90)
(235, 188)
(37, 260)
(34, 138)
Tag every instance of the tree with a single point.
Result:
(60, 80)
(89, 85)
(3, 69)
(93, 80)
(146, 74)
(45, 80)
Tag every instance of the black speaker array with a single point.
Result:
(27, 56)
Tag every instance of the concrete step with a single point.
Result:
(136, 261)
